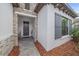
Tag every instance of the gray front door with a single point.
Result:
(25, 28)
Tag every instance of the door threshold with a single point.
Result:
(26, 36)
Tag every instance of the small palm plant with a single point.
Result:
(75, 35)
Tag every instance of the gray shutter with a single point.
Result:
(58, 26)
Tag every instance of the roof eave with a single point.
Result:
(66, 7)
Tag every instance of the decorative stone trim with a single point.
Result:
(6, 45)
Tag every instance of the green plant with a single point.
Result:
(75, 32)
(75, 35)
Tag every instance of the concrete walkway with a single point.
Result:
(27, 47)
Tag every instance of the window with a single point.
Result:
(63, 26)
(27, 6)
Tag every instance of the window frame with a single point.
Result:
(68, 31)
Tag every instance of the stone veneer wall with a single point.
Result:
(15, 29)
(6, 45)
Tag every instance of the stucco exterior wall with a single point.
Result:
(6, 20)
(46, 22)
(42, 26)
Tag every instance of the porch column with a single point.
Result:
(15, 29)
